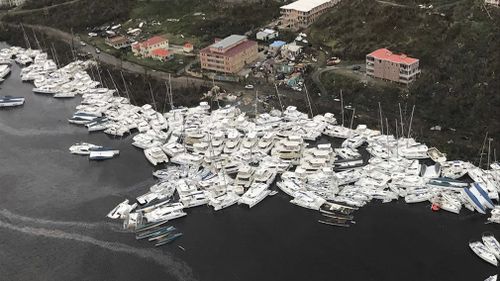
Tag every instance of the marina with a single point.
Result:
(374, 176)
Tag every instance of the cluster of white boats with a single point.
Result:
(488, 249)
(5, 63)
(222, 157)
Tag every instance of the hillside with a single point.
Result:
(79, 15)
(457, 44)
(200, 20)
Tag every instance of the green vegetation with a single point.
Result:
(204, 20)
(456, 42)
(78, 15)
(36, 4)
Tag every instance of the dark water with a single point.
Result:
(53, 226)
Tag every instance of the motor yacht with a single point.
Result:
(155, 155)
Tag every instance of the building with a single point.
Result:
(493, 2)
(382, 63)
(291, 51)
(266, 34)
(162, 55)
(188, 47)
(276, 46)
(118, 42)
(302, 13)
(229, 55)
(11, 3)
(146, 48)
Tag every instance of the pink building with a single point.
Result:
(382, 63)
(229, 55)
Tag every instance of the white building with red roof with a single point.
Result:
(384, 64)
(162, 55)
(147, 47)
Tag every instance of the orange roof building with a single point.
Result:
(118, 42)
(147, 47)
(384, 64)
(161, 54)
(188, 47)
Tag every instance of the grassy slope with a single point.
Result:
(219, 19)
(80, 15)
(459, 86)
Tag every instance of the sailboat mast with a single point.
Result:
(381, 122)
(352, 118)
(342, 106)
(411, 120)
(152, 95)
(278, 95)
(401, 117)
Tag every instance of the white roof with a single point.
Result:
(304, 5)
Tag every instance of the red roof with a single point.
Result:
(188, 45)
(153, 40)
(234, 50)
(385, 54)
(161, 53)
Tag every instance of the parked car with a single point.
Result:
(97, 51)
(83, 43)
(356, 67)
(249, 86)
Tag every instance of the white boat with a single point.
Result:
(9, 101)
(491, 243)
(4, 71)
(244, 178)
(121, 210)
(82, 148)
(223, 201)
(63, 95)
(102, 153)
(483, 252)
(255, 194)
(155, 155)
(308, 199)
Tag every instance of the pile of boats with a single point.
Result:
(94, 152)
(222, 157)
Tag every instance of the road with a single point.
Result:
(125, 65)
